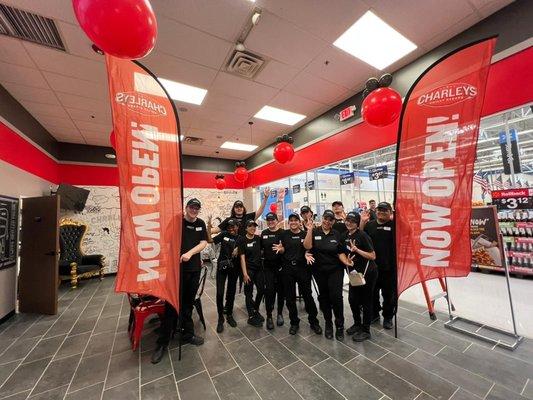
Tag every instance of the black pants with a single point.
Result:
(363, 297)
(301, 275)
(230, 274)
(330, 297)
(386, 282)
(273, 287)
(257, 279)
(189, 287)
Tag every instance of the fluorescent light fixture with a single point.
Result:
(278, 115)
(238, 146)
(181, 92)
(375, 42)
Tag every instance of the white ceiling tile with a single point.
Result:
(65, 64)
(276, 74)
(195, 150)
(80, 87)
(89, 134)
(56, 9)
(13, 52)
(205, 15)
(175, 69)
(315, 88)
(242, 88)
(235, 154)
(339, 67)
(72, 101)
(92, 126)
(294, 103)
(281, 40)
(455, 29)
(231, 104)
(76, 41)
(53, 122)
(488, 7)
(49, 110)
(209, 135)
(262, 126)
(75, 140)
(22, 75)
(222, 116)
(90, 116)
(325, 19)
(59, 132)
(206, 124)
(191, 44)
(21, 92)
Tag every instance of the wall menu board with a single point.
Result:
(513, 199)
(9, 216)
(487, 249)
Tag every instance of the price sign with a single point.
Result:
(347, 178)
(296, 189)
(310, 185)
(513, 199)
(378, 173)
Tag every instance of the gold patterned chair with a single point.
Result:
(73, 264)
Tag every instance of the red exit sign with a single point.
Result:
(348, 112)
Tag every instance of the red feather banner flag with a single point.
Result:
(437, 143)
(146, 126)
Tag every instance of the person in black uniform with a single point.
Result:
(193, 241)
(295, 270)
(359, 248)
(252, 272)
(227, 268)
(271, 237)
(328, 271)
(383, 234)
(372, 209)
(340, 215)
(307, 214)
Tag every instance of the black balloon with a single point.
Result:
(385, 80)
(371, 84)
(365, 93)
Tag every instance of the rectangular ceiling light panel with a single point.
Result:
(181, 92)
(375, 42)
(278, 115)
(238, 146)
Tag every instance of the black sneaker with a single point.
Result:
(260, 317)
(231, 321)
(328, 332)
(339, 333)
(316, 328)
(361, 336)
(158, 354)
(387, 323)
(270, 323)
(194, 340)
(220, 326)
(255, 321)
(280, 321)
(293, 330)
(353, 329)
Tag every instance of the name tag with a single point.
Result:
(198, 228)
(250, 244)
(386, 228)
(318, 237)
(265, 237)
(333, 241)
(226, 239)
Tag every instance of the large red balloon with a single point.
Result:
(273, 207)
(122, 28)
(113, 140)
(241, 174)
(220, 183)
(283, 152)
(381, 107)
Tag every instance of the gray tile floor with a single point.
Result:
(84, 353)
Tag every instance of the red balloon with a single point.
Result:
(273, 207)
(381, 107)
(113, 140)
(220, 183)
(122, 28)
(283, 152)
(241, 174)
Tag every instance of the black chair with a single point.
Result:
(73, 264)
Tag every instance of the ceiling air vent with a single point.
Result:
(28, 26)
(244, 64)
(193, 140)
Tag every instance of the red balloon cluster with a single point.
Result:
(220, 182)
(113, 140)
(240, 173)
(381, 105)
(122, 28)
(273, 207)
(284, 151)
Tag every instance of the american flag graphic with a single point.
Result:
(480, 178)
(498, 183)
(508, 184)
(518, 183)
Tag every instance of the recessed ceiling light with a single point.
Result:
(375, 42)
(238, 146)
(181, 92)
(111, 156)
(278, 115)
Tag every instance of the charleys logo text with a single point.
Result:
(140, 103)
(447, 95)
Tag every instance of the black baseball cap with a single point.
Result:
(328, 214)
(194, 202)
(238, 203)
(250, 222)
(384, 206)
(337, 203)
(305, 209)
(353, 216)
(294, 215)
(232, 222)
(271, 216)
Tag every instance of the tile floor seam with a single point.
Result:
(209, 376)
(152, 381)
(384, 356)
(437, 353)
(326, 359)
(467, 347)
(223, 372)
(77, 390)
(493, 384)
(524, 388)
(360, 377)
(190, 376)
(173, 374)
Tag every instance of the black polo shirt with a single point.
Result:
(326, 249)
(251, 248)
(227, 243)
(339, 226)
(363, 242)
(384, 240)
(373, 214)
(269, 238)
(241, 220)
(294, 248)
(191, 235)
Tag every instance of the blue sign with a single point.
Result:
(346, 178)
(378, 172)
